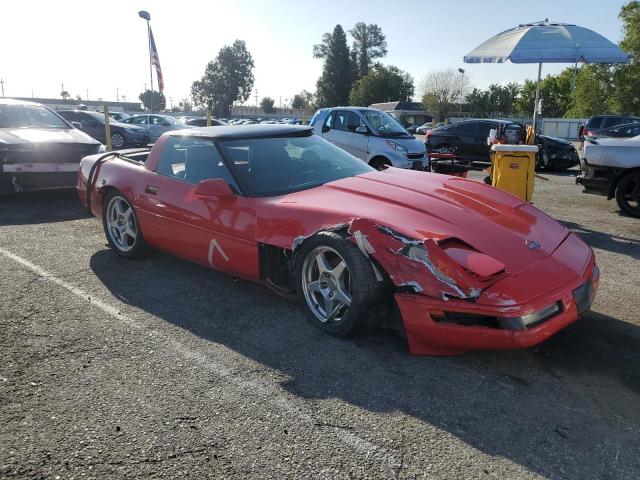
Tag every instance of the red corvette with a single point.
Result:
(467, 266)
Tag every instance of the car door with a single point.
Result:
(465, 139)
(140, 121)
(342, 125)
(92, 126)
(157, 126)
(210, 231)
(481, 148)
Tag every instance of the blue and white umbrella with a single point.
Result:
(547, 42)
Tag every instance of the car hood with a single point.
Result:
(22, 136)
(553, 140)
(418, 206)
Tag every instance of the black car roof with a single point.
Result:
(243, 131)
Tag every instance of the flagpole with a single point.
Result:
(147, 17)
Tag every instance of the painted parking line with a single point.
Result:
(267, 392)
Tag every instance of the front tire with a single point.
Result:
(380, 163)
(121, 226)
(338, 286)
(628, 194)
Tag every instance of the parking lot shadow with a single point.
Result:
(569, 408)
(49, 206)
(606, 241)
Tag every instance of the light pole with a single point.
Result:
(147, 17)
(461, 70)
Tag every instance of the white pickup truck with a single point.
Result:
(611, 167)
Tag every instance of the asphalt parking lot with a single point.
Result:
(161, 368)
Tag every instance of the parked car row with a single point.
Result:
(468, 139)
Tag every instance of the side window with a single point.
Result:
(353, 121)
(155, 120)
(483, 131)
(141, 120)
(328, 123)
(340, 120)
(594, 122)
(69, 116)
(467, 129)
(611, 121)
(193, 160)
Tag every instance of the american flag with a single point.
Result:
(155, 60)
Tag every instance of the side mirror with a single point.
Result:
(325, 129)
(77, 125)
(214, 187)
(362, 130)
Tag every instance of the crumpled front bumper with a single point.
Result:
(427, 336)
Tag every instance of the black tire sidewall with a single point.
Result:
(139, 247)
(363, 285)
(622, 185)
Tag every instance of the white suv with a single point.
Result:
(371, 135)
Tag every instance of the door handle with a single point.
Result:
(151, 190)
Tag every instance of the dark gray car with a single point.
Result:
(38, 148)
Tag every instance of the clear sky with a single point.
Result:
(101, 45)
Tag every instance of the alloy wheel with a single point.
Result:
(326, 284)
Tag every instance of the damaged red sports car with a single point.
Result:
(467, 266)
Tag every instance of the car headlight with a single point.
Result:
(102, 149)
(396, 146)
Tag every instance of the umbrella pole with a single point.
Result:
(535, 105)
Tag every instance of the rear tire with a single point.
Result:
(117, 141)
(121, 226)
(628, 194)
(323, 292)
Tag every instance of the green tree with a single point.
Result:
(227, 79)
(381, 84)
(478, 103)
(626, 78)
(152, 100)
(65, 95)
(333, 86)
(369, 43)
(303, 99)
(593, 93)
(267, 105)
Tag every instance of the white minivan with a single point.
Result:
(371, 135)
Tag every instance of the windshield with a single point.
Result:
(267, 167)
(384, 124)
(29, 116)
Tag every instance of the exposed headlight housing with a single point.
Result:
(396, 146)
(102, 149)
(523, 322)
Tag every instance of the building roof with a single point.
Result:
(244, 131)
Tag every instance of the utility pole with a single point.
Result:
(87, 92)
(147, 17)
(2, 83)
(171, 103)
(117, 94)
(256, 95)
(461, 70)
(124, 98)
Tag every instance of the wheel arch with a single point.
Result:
(380, 157)
(618, 178)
